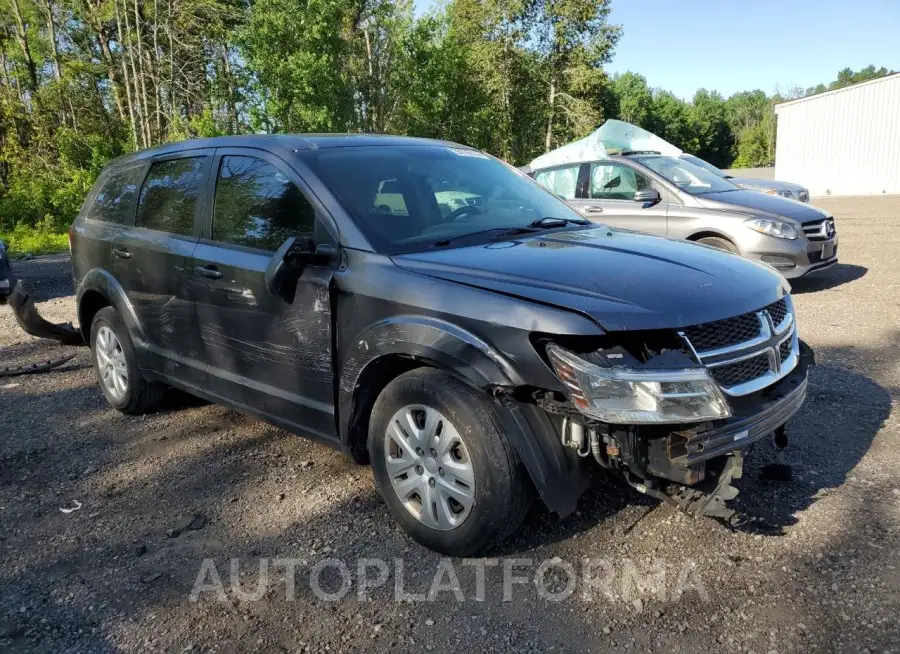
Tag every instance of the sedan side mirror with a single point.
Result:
(648, 197)
(289, 261)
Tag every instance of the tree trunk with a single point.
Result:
(548, 141)
(54, 50)
(229, 84)
(130, 99)
(111, 74)
(22, 38)
(148, 139)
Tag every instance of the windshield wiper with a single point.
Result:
(502, 232)
(548, 222)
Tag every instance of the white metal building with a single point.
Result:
(842, 142)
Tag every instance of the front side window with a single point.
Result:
(407, 198)
(168, 198)
(687, 176)
(562, 181)
(613, 181)
(257, 205)
(114, 202)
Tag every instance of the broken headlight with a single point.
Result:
(627, 396)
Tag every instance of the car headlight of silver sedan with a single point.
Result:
(622, 395)
(776, 228)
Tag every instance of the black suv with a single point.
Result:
(429, 309)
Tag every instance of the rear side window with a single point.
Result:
(562, 181)
(257, 205)
(169, 196)
(114, 202)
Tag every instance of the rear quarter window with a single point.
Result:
(168, 200)
(114, 202)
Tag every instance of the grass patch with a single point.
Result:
(28, 240)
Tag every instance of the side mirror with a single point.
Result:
(291, 258)
(648, 197)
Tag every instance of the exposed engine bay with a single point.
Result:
(691, 465)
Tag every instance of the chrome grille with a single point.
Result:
(784, 350)
(722, 333)
(778, 311)
(748, 352)
(820, 230)
(733, 374)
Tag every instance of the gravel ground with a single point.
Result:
(118, 574)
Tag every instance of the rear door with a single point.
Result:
(270, 354)
(151, 261)
(610, 190)
(106, 210)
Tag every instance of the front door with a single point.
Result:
(609, 198)
(150, 260)
(270, 354)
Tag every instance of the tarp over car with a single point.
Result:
(612, 137)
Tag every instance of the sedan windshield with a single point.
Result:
(412, 197)
(697, 161)
(686, 176)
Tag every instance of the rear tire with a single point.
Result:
(116, 367)
(484, 473)
(719, 243)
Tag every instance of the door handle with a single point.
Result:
(592, 208)
(122, 253)
(209, 271)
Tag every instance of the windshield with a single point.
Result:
(687, 176)
(408, 198)
(705, 165)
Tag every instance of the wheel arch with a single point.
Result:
(390, 348)
(709, 233)
(99, 289)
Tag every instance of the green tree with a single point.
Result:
(634, 100)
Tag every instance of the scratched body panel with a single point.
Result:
(482, 335)
(266, 351)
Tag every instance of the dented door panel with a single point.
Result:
(266, 352)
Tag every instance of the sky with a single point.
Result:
(732, 45)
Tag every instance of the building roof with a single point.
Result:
(854, 87)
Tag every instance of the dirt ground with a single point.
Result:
(118, 574)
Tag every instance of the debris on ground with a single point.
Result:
(72, 506)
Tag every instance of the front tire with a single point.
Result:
(115, 363)
(444, 465)
(719, 243)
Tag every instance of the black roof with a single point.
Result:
(284, 142)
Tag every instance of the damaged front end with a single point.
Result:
(649, 405)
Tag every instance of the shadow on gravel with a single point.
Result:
(827, 438)
(841, 273)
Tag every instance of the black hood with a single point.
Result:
(623, 280)
(762, 203)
